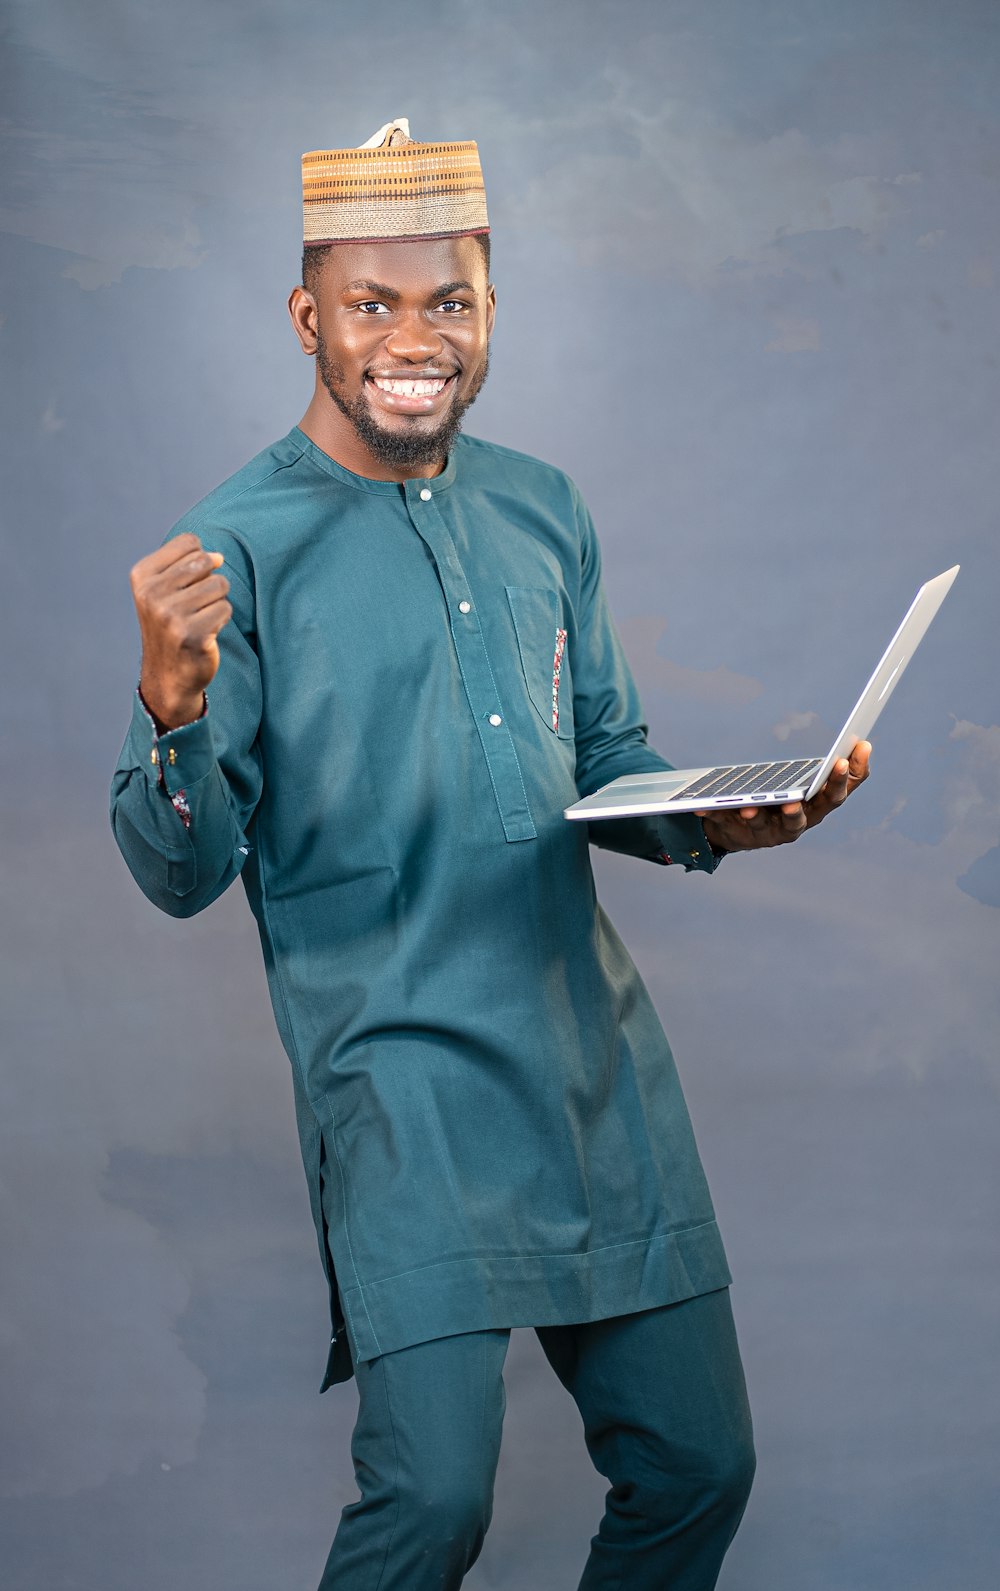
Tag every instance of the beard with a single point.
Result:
(409, 446)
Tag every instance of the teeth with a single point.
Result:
(411, 389)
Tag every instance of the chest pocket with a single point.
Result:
(541, 640)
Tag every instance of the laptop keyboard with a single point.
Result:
(752, 778)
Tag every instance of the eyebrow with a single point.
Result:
(391, 296)
(377, 290)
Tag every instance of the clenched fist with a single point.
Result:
(182, 606)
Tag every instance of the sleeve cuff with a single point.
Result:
(178, 757)
(684, 842)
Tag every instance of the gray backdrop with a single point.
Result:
(748, 262)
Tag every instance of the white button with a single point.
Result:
(495, 720)
(465, 607)
(425, 495)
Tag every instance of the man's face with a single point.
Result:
(402, 334)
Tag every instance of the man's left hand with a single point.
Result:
(753, 828)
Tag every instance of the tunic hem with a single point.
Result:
(482, 1294)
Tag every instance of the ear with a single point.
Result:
(491, 309)
(302, 309)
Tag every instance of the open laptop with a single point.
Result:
(758, 784)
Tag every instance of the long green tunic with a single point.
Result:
(416, 681)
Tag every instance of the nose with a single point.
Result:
(413, 339)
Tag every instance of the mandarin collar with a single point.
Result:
(362, 483)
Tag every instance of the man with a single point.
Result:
(375, 717)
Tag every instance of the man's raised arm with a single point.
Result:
(188, 778)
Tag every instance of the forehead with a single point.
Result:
(418, 266)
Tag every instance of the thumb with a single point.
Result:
(859, 762)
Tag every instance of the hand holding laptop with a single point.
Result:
(754, 828)
(768, 803)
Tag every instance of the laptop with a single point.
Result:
(758, 784)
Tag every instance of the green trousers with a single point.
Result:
(665, 1419)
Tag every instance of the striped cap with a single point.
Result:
(392, 189)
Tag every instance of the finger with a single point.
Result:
(835, 788)
(150, 576)
(832, 794)
(202, 593)
(859, 765)
(177, 547)
(207, 622)
(793, 819)
(196, 566)
(763, 816)
(726, 829)
(774, 826)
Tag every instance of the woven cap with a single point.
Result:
(391, 189)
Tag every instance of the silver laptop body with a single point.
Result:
(769, 783)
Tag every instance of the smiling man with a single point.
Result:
(402, 398)
(377, 664)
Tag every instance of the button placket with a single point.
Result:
(476, 669)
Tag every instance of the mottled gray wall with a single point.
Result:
(748, 263)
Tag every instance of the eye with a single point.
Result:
(372, 306)
(452, 304)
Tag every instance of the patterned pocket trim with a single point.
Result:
(556, 671)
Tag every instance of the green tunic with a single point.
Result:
(416, 681)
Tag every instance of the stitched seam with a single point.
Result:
(251, 486)
(347, 1231)
(479, 731)
(262, 869)
(482, 1422)
(395, 1478)
(617, 1443)
(580, 1254)
(235, 572)
(360, 484)
(511, 839)
(517, 765)
(482, 739)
